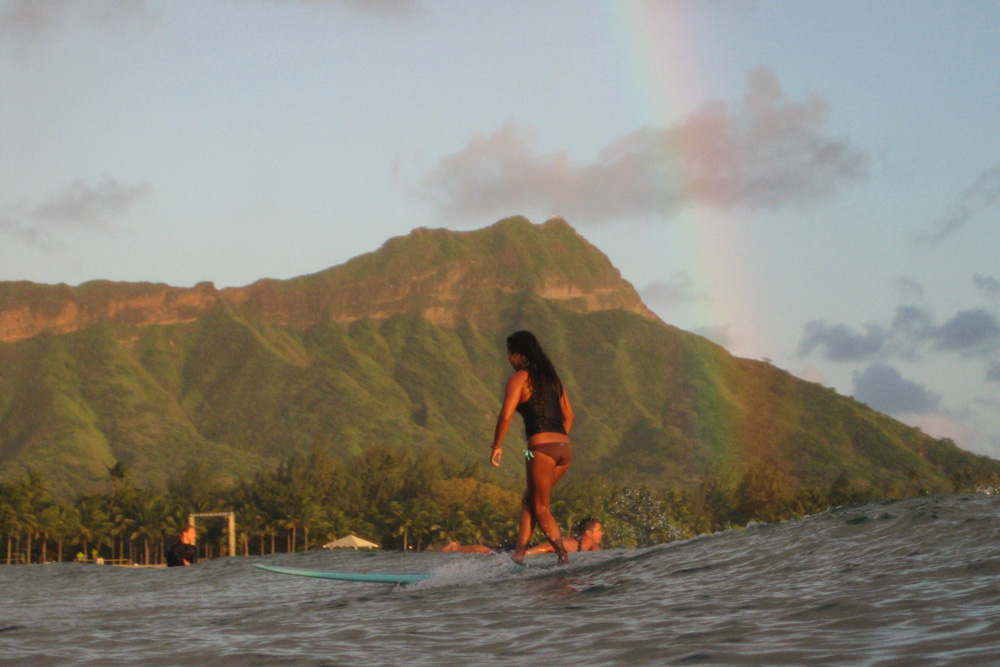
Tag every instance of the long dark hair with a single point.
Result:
(541, 372)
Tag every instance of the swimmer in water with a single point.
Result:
(588, 536)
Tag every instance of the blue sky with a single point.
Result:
(815, 183)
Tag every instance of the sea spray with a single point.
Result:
(637, 519)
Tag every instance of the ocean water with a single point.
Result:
(912, 582)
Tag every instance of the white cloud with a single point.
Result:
(383, 7)
(912, 332)
(31, 19)
(839, 343)
(28, 20)
(993, 372)
(667, 294)
(391, 7)
(89, 204)
(883, 388)
(987, 285)
(969, 332)
(983, 194)
(79, 205)
(763, 151)
(909, 289)
(11, 228)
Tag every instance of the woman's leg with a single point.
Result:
(543, 474)
(527, 524)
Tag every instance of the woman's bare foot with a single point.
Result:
(518, 556)
(560, 551)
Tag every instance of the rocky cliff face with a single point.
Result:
(29, 309)
(444, 276)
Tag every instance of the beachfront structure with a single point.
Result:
(350, 542)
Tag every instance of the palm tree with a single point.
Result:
(251, 523)
(399, 516)
(311, 513)
(10, 524)
(120, 523)
(46, 527)
(94, 523)
(33, 498)
(60, 522)
(290, 525)
(456, 525)
(411, 515)
(29, 525)
(150, 513)
(297, 509)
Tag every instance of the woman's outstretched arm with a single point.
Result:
(511, 397)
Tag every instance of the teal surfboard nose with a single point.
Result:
(376, 577)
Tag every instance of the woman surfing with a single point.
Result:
(535, 391)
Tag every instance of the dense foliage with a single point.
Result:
(402, 501)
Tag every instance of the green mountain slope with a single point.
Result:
(404, 347)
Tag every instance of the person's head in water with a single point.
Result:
(526, 354)
(590, 528)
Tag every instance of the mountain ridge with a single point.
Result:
(372, 285)
(403, 347)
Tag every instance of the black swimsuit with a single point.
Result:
(181, 552)
(544, 415)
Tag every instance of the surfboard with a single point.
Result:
(376, 577)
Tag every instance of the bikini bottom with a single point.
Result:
(561, 452)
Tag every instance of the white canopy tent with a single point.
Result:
(350, 542)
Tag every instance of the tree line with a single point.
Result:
(396, 498)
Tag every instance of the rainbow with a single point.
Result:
(656, 47)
